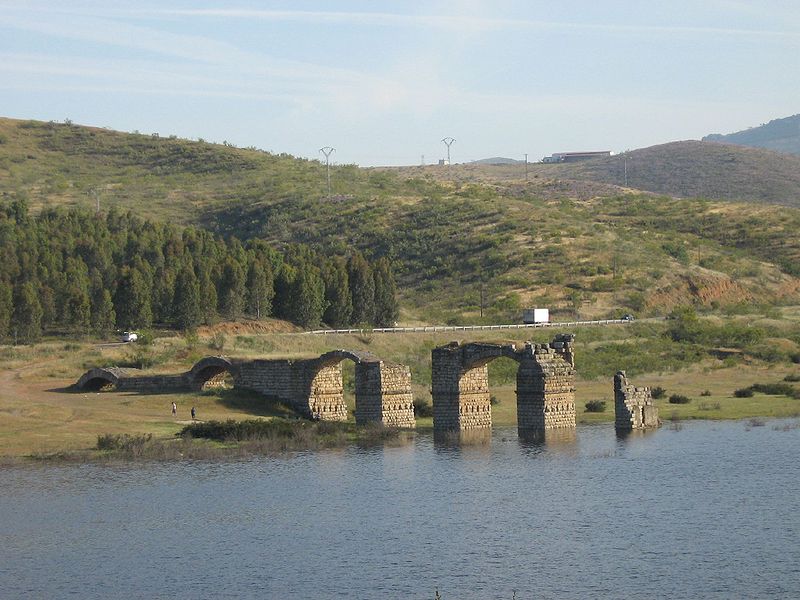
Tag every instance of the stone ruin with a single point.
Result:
(545, 385)
(313, 387)
(633, 406)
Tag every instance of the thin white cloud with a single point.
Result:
(459, 22)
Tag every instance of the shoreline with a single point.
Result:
(197, 449)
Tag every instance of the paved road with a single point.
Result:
(437, 328)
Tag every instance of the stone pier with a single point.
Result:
(633, 406)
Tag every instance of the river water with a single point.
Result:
(706, 511)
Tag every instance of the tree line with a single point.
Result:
(69, 269)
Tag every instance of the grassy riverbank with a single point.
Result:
(42, 416)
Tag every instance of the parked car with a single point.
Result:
(130, 336)
(627, 317)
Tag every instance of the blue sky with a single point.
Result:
(384, 82)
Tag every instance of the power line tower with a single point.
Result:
(448, 141)
(94, 194)
(327, 151)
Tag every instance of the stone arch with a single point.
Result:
(545, 384)
(383, 389)
(210, 372)
(97, 379)
(460, 383)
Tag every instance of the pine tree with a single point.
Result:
(132, 300)
(231, 289)
(186, 307)
(6, 307)
(208, 294)
(386, 307)
(362, 289)
(27, 319)
(337, 294)
(103, 316)
(308, 295)
(284, 292)
(260, 288)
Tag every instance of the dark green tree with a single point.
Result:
(186, 309)
(260, 288)
(27, 318)
(231, 289)
(6, 307)
(362, 289)
(339, 309)
(308, 297)
(132, 300)
(387, 308)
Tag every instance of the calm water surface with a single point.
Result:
(709, 511)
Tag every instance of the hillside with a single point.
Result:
(780, 135)
(582, 247)
(688, 169)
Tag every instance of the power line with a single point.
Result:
(448, 141)
(327, 151)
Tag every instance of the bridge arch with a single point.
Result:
(545, 384)
(382, 394)
(211, 372)
(97, 379)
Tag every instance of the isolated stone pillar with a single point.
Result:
(633, 406)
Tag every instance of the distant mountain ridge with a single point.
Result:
(497, 160)
(779, 135)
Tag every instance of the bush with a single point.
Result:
(422, 409)
(133, 444)
(217, 341)
(744, 393)
(705, 393)
(595, 406)
(658, 392)
(776, 389)
(679, 399)
(792, 378)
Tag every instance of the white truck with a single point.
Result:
(535, 315)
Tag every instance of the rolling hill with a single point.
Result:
(780, 135)
(462, 239)
(688, 169)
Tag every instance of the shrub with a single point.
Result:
(744, 392)
(658, 392)
(217, 341)
(709, 406)
(792, 378)
(133, 444)
(705, 393)
(776, 389)
(679, 399)
(422, 409)
(595, 406)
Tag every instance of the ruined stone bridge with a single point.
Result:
(313, 387)
(459, 384)
(545, 385)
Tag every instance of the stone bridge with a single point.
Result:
(313, 387)
(545, 385)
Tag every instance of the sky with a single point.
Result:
(384, 82)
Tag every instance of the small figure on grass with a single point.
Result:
(194, 413)
(174, 410)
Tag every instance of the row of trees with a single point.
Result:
(73, 270)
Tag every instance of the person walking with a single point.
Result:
(193, 413)
(174, 410)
